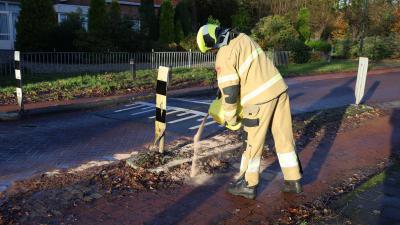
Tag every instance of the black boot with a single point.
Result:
(240, 188)
(292, 186)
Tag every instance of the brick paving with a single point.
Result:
(370, 145)
(38, 145)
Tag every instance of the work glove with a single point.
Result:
(233, 126)
(217, 113)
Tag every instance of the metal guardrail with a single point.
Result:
(91, 62)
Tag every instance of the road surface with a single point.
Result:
(61, 141)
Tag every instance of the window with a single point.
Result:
(62, 17)
(14, 8)
(4, 26)
(84, 22)
(135, 25)
(2, 6)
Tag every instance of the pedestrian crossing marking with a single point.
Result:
(146, 111)
(183, 119)
(183, 114)
(126, 109)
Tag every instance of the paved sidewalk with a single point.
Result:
(325, 163)
(377, 201)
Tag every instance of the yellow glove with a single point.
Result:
(234, 127)
(217, 113)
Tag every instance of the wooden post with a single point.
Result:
(133, 68)
(161, 106)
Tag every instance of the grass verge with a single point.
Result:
(334, 66)
(63, 87)
(57, 87)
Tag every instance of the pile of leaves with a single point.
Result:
(123, 177)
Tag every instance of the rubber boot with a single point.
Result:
(240, 188)
(292, 186)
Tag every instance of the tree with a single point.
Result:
(167, 29)
(97, 36)
(68, 32)
(179, 35)
(303, 24)
(242, 19)
(274, 32)
(36, 25)
(114, 29)
(396, 25)
(184, 17)
(148, 19)
(322, 17)
(218, 9)
(97, 17)
(381, 18)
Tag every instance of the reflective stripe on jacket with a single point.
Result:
(245, 75)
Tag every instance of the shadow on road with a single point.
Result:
(317, 127)
(371, 91)
(390, 203)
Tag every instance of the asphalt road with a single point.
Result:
(61, 141)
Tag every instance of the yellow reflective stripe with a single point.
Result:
(243, 163)
(254, 165)
(226, 78)
(261, 89)
(230, 113)
(287, 159)
(249, 59)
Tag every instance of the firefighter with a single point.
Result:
(248, 79)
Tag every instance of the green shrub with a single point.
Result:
(377, 48)
(342, 49)
(396, 47)
(189, 42)
(274, 32)
(319, 45)
(212, 20)
(299, 50)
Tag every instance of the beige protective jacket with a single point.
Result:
(246, 76)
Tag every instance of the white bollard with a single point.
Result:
(18, 77)
(361, 79)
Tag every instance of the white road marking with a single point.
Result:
(201, 119)
(192, 101)
(168, 113)
(206, 124)
(182, 119)
(126, 109)
(182, 114)
(130, 104)
(177, 109)
(146, 111)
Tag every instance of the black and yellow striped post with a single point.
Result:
(161, 106)
(18, 77)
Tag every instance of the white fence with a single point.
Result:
(89, 62)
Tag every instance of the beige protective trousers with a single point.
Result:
(256, 121)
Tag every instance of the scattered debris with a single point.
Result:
(48, 195)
